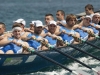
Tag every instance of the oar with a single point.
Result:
(53, 61)
(67, 55)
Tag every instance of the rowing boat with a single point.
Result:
(27, 63)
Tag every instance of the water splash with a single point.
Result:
(73, 66)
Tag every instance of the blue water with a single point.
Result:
(29, 10)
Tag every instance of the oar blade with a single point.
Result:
(98, 69)
(81, 72)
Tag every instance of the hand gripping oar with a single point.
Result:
(85, 41)
(51, 60)
(80, 49)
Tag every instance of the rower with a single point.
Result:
(38, 33)
(14, 44)
(51, 36)
(89, 10)
(95, 20)
(48, 18)
(60, 15)
(20, 21)
(71, 21)
(31, 29)
(85, 26)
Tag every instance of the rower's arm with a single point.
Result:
(4, 41)
(95, 26)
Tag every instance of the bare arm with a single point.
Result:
(4, 41)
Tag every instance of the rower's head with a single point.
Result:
(38, 27)
(2, 28)
(21, 21)
(86, 21)
(60, 15)
(89, 9)
(71, 20)
(52, 27)
(16, 31)
(48, 18)
(32, 25)
(96, 18)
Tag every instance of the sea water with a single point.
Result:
(10, 10)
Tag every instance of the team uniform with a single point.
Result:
(33, 43)
(11, 46)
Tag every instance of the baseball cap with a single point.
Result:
(96, 14)
(38, 23)
(52, 22)
(88, 16)
(22, 21)
(32, 22)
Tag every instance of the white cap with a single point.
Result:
(96, 14)
(20, 21)
(52, 22)
(88, 16)
(38, 23)
(32, 22)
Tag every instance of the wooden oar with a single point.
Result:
(51, 60)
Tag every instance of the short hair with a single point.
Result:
(62, 12)
(69, 17)
(16, 25)
(89, 6)
(3, 24)
(49, 14)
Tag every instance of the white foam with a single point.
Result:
(72, 66)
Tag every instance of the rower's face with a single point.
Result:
(59, 16)
(52, 28)
(86, 21)
(17, 33)
(87, 11)
(48, 19)
(96, 19)
(38, 30)
(31, 27)
(71, 22)
(2, 30)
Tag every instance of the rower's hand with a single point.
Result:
(80, 74)
(44, 41)
(33, 37)
(63, 31)
(58, 22)
(59, 38)
(82, 17)
(39, 39)
(15, 42)
(48, 34)
(98, 72)
(26, 29)
(54, 36)
(1, 37)
(79, 27)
